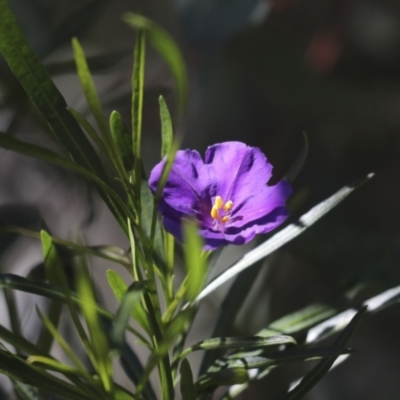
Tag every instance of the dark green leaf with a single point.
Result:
(188, 391)
(119, 288)
(134, 370)
(33, 77)
(25, 392)
(323, 367)
(122, 140)
(131, 297)
(37, 83)
(16, 368)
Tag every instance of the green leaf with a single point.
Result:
(32, 150)
(137, 105)
(323, 367)
(134, 370)
(37, 83)
(87, 126)
(88, 87)
(281, 238)
(25, 392)
(61, 341)
(167, 48)
(19, 342)
(120, 395)
(167, 134)
(119, 288)
(303, 319)
(195, 264)
(122, 140)
(147, 215)
(53, 365)
(98, 340)
(111, 253)
(40, 88)
(227, 377)
(245, 342)
(16, 282)
(230, 308)
(130, 299)
(187, 386)
(16, 369)
(12, 309)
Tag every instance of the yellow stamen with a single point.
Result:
(225, 219)
(214, 212)
(218, 202)
(228, 206)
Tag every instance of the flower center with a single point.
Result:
(220, 211)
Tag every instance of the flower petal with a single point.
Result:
(259, 204)
(237, 169)
(244, 234)
(186, 186)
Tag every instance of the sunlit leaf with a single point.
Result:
(322, 368)
(195, 264)
(282, 237)
(98, 339)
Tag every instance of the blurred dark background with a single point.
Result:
(262, 72)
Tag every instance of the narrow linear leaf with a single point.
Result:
(167, 48)
(37, 83)
(134, 370)
(302, 319)
(122, 139)
(111, 253)
(167, 134)
(322, 368)
(61, 341)
(248, 342)
(229, 310)
(98, 339)
(53, 365)
(28, 69)
(225, 377)
(25, 392)
(137, 105)
(281, 238)
(21, 344)
(119, 288)
(32, 150)
(88, 86)
(188, 390)
(195, 264)
(130, 298)
(87, 126)
(16, 368)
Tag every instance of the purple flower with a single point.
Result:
(227, 194)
